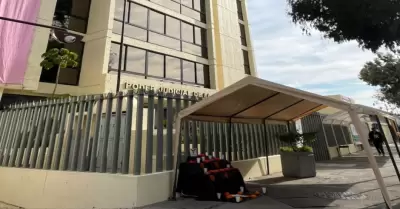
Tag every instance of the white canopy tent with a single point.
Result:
(256, 101)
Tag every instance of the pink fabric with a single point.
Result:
(16, 38)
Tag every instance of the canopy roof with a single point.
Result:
(253, 100)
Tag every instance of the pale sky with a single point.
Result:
(285, 55)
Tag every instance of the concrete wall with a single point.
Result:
(30, 188)
(257, 167)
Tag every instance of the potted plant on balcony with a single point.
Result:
(297, 158)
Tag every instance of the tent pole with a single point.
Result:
(388, 147)
(364, 140)
(394, 136)
(266, 144)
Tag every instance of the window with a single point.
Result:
(68, 76)
(246, 62)
(119, 10)
(72, 14)
(242, 34)
(156, 22)
(138, 15)
(173, 68)
(188, 71)
(240, 9)
(173, 27)
(151, 26)
(135, 60)
(191, 8)
(187, 32)
(156, 66)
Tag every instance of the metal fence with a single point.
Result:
(313, 123)
(125, 133)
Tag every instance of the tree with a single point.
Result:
(60, 58)
(372, 23)
(384, 72)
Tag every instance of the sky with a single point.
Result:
(285, 55)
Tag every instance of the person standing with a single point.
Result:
(377, 138)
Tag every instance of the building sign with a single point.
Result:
(165, 90)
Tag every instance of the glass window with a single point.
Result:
(138, 15)
(243, 34)
(188, 71)
(114, 57)
(168, 4)
(135, 32)
(135, 60)
(198, 5)
(173, 68)
(200, 36)
(193, 14)
(188, 3)
(155, 64)
(163, 40)
(119, 9)
(156, 22)
(80, 8)
(173, 27)
(246, 57)
(117, 27)
(240, 10)
(192, 49)
(199, 73)
(72, 14)
(187, 32)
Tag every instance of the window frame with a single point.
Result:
(206, 73)
(84, 19)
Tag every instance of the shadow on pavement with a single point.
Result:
(351, 162)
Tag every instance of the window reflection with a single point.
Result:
(114, 57)
(164, 41)
(119, 9)
(188, 71)
(138, 15)
(156, 22)
(155, 64)
(173, 27)
(187, 32)
(173, 68)
(72, 14)
(135, 60)
(242, 34)
(191, 8)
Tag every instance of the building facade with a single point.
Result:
(189, 46)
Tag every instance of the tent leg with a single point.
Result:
(394, 136)
(266, 144)
(388, 147)
(364, 139)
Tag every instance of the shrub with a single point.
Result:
(297, 142)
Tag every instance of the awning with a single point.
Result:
(253, 100)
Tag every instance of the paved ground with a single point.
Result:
(345, 183)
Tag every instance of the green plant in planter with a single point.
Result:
(297, 142)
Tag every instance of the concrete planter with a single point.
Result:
(298, 164)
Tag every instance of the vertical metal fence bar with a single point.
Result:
(138, 138)
(209, 138)
(117, 134)
(262, 139)
(35, 120)
(17, 135)
(72, 112)
(46, 133)
(83, 157)
(57, 114)
(252, 141)
(6, 134)
(257, 140)
(78, 135)
(228, 134)
(178, 103)
(186, 129)
(273, 138)
(268, 139)
(246, 144)
(104, 148)
(234, 141)
(214, 135)
(160, 132)
(150, 128)
(45, 108)
(5, 123)
(128, 132)
(3, 116)
(94, 153)
(241, 147)
(221, 141)
(170, 120)
(202, 138)
(61, 133)
(25, 131)
(194, 134)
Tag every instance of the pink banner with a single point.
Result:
(16, 38)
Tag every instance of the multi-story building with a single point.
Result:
(195, 46)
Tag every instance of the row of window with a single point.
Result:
(191, 8)
(159, 66)
(148, 25)
(72, 14)
(246, 60)
(240, 9)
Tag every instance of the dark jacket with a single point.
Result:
(376, 137)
